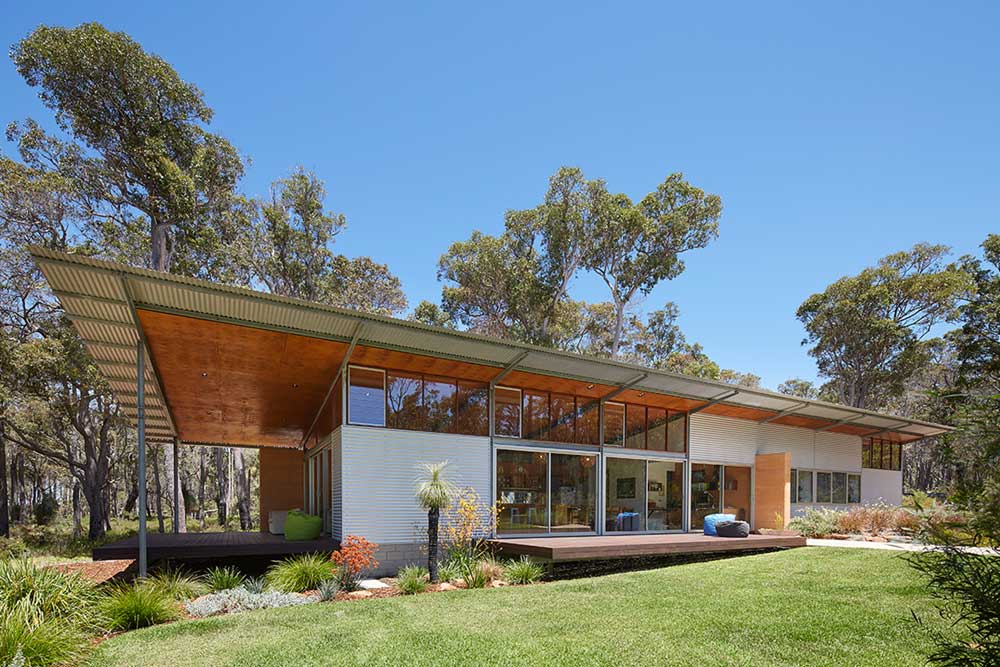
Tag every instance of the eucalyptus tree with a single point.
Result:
(868, 331)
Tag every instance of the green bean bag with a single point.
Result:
(301, 526)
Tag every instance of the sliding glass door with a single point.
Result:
(545, 492)
(643, 495)
(719, 488)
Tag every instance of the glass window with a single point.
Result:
(563, 416)
(473, 406)
(366, 399)
(886, 456)
(625, 484)
(664, 495)
(866, 454)
(507, 412)
(839, 487)
(794, 486)
(656, 429)
(614, 424)
(536, 415)
(804, 484)
(574, 493)
(705, 492)
(522, 483)
(854, 488)
(587, 422)
(822, 487)
(897, 456)
(677, 432)
(439, 404)
(404, 399)
(635, 426)
(736, 492)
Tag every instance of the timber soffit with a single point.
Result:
(97, 295)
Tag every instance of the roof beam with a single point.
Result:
(842, 422)
(333, 383)
(621, 388)
(508, 367)
(783, 413)
(717, 399)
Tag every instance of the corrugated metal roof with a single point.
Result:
(99, 297)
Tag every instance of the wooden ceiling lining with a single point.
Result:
(418, 363)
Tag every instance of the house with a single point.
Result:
(344, 406)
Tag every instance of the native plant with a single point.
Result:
(523, 571)
(355, 557)
(434, 493)
(467, 521)
(300, 573)
(328, 590)
(235, 600)
(130, 607)
(177, 583)
(224, 578)
(412, 579)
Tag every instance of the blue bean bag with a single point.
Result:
(713, 519)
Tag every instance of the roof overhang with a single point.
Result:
(190, 327)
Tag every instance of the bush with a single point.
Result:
(328, 590)
(816, 522)
(178, 584)
(412, 579)
(354, 558)
(224, 578)
(256, 585)
(301, 573)
(137, 606)
(40, 644)
(475, 573)
(523, 571)
(46, 594)
(46, 510)
(449, 570)
(238, 600)
(12, 547)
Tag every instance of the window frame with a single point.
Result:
(520, 413)
(350, 419)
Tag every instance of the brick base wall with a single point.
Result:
(393, 556)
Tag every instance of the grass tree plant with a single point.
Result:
(434, 493)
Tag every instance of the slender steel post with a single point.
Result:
(178, 496)
(141, 463)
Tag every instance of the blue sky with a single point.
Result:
(834, 135)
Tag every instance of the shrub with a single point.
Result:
(493, 568)
(412, 579)
(238, 600)
(137, 606)
(45, 594)
(523, 571)
(50, 642)
(328, 590)
(300, 573)
(224, 578)
(11, 548)
(449, 570)
(177, 584)
(475, 573)
(256, 585)
(354, 558)
(46, 510)
(816, 522)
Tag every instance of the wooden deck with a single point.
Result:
(631, 546)
(206, 546)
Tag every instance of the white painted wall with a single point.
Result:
(728, 440)
(881, 486)
(378, 471)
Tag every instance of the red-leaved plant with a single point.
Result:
(355, 557)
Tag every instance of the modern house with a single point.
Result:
(345, 406)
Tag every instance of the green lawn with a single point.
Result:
(809, 606)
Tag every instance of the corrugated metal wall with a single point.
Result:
(379, 468)
(336, 481)
(728, 440)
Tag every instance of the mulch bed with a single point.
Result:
(99, 571)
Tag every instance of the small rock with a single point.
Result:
(359, 595)
(372, 584)
(445, 586)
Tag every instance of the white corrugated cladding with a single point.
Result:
(729, 440)
(336, 482)
(379, 469)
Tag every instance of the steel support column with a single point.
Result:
(141, 459)
(178, 496)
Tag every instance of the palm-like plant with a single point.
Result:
(434, 493)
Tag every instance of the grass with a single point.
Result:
(808, 606)
(127, 607)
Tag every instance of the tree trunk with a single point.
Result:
(77, 510)
(23, 507)
(131, 499)
(172, 470)
(202, 480)
(242, 490)
(96, 525)
(432, 543)
(222, 485)
(619, 327)
(158, 489)
(4, 506)
(159, 258)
